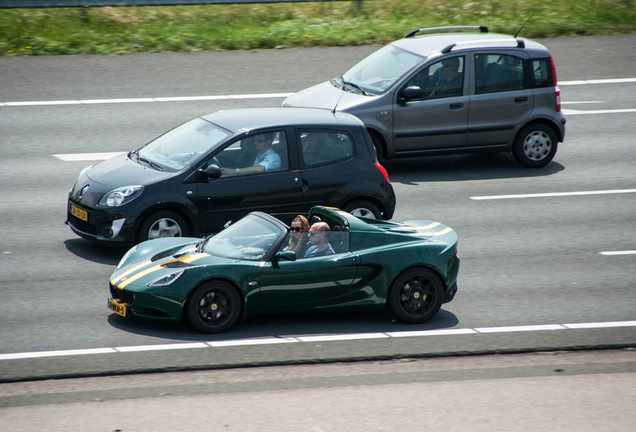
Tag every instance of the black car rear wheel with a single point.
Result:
(416, 295)
(214, 307)
(163, 224)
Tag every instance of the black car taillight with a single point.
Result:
(383, 171)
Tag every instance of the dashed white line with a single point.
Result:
(145, 100)
(263, 96)
(315, 338)
(615, 253)
(598, 81)
(553, 194)
(608, 111)
(81, 157)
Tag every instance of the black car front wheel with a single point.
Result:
(362, 208)
(535, 145)
(163, 224)
(213, 307)
(416, 295)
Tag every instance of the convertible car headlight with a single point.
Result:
(120, 196)
(166, 280)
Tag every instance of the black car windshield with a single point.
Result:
(376, 73)
(181, 146)
(250, 238)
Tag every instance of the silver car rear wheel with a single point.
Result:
(535, 145)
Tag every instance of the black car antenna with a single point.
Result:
(524, 24)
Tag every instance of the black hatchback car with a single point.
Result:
(198, 176)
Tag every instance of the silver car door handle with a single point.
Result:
(456, 106)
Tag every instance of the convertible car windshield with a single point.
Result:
(180, 146)
(376, 73)
(250, 238)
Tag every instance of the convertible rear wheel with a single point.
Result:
(214, 307)
(416, 295)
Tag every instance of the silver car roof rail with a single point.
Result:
(506, 43)
(482, 29)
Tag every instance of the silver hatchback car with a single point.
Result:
(439, 92)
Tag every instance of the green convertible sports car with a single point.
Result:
(251, 268)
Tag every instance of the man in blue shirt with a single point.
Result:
(266, 160)
(319, 242)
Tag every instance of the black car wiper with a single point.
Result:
(150, 163)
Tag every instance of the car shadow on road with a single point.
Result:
(98, 253)
(463, 167)
(284, 325)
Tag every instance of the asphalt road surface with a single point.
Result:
(548, 257)
(558, 391)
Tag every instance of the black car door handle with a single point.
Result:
(456, 106)
(521, 99)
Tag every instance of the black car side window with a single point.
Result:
(259, 153)
(498, 72)
(319, 147)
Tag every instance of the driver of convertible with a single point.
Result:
(319, 242)
(266, 160)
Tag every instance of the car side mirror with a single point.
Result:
(285, 256)
(211, 171)
(411, 93)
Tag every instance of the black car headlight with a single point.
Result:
(166, 280)
(120, 196)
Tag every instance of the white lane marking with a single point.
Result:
(509, 329)
(601, 325)
(597, 81)
(609, 111)
(581, 102)
(238, 96)
(79, 157)
(317, 338)
(244, 342)
(342, 337)
(614, 253)
(57, 353)
(419, 333)
(163, 347)
(144, 100)
(553, 194)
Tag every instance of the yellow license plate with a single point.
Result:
(79, 213)
(116, 307)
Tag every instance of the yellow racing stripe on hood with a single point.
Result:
(125, 281)
(421, 232)
(131, 270)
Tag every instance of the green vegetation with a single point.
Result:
(281, 25)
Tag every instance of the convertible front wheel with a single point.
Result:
(416, 295)
(214, 307)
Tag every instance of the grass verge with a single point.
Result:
(281, 25)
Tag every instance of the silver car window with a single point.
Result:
(376, 73)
